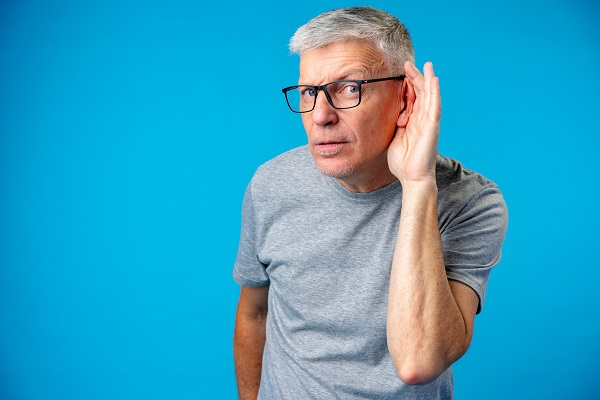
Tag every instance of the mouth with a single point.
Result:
(329, 148)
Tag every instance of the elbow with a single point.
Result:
(418, 374)
(419, 368)
(420, 361)
(419, 364)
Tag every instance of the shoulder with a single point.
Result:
(462, 189)
(289, 161)
(451, 172)
(294, 165)
(290, 174)
(455, 182)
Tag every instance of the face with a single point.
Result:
(351, 144)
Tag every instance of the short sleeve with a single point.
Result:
(472, 238)
(248, 270)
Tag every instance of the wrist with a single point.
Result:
(426, 187)
(419, 199)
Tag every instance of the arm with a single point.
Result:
(430, 319)
(249, 339)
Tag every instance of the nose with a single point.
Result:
(323, 113)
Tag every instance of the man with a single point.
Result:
(364, 256)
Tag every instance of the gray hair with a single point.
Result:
(367, 23)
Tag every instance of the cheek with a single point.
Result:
(387, 123)
(380, 118)
(306, 122)
(377, 131)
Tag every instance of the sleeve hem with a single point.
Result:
(243, 281)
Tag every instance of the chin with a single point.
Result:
(336, 171)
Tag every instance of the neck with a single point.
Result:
(368, 182)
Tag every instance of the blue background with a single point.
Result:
(129, 130)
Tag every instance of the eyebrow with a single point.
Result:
(352, 72)
(344, 75)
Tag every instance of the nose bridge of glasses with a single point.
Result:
(327, 96)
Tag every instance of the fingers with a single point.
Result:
(432, 86)
(434, 81)
(428, 71)
(427, 88)
(413, 75)
(419, 81)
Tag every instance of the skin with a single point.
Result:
(430, 318)
(249, 339)
(351, 144)
(392, 134)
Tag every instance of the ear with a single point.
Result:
(407, 101)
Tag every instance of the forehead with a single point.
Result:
(352, 59)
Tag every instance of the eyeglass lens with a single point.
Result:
(341, 95)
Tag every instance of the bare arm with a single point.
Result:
(249, 339)
(430, 319)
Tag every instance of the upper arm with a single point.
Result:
(248, 270)
(249, 339)
(253, 301)
(472, 237)
(468, 301)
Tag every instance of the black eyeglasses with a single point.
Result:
(340, 94)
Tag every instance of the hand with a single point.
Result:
(412, 153)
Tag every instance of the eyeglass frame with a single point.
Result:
(359, 82)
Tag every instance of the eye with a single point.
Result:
(349, 89)
(308, 92)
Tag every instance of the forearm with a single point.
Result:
(426, 331)
(248, 347)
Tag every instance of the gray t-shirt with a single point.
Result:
(327, 253)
